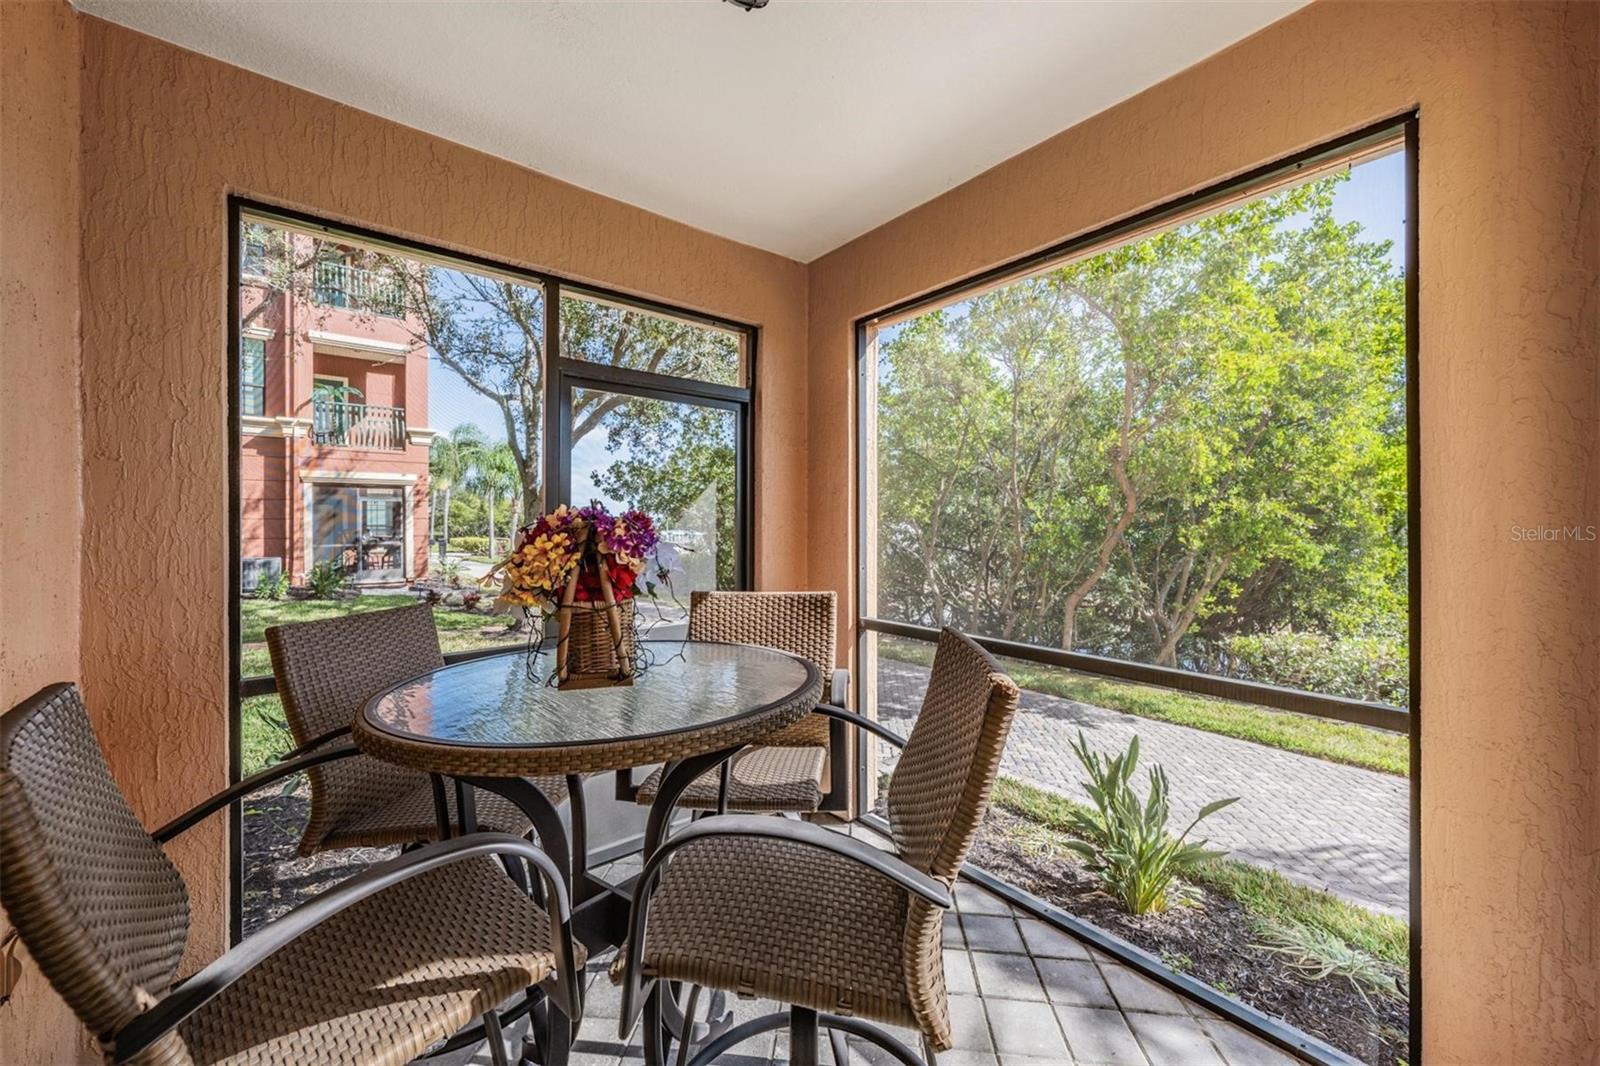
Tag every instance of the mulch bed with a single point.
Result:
(1211, 941)
(276, 879)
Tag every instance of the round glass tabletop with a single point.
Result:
(496, 715)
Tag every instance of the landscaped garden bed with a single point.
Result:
(1245, 931)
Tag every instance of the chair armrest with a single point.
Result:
(203, 810)
(839, 687)
(227, 969)
(316, 742)
(886, 865)
(861, 721)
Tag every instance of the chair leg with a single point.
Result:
(686, 1038)
(802, 1036)
(656, 1047)
(494, 1038)
(559, 1044)
(841, 1047)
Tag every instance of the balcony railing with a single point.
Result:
(336, 284)
(358, 425)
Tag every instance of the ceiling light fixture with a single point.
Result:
(748, 5)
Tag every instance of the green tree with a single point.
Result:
(677, 460)
(1200, 432)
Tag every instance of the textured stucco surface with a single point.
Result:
(1510, 417)
(40, 429)
(167, 135)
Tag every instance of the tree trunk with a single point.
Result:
(444, 551)
(489, 496)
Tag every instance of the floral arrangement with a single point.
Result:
(583, 539)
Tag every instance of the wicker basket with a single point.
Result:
(592, 655)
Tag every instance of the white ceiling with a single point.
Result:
(793, 128)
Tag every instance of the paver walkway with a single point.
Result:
(1321, 823)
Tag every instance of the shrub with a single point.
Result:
(470, 545)
(1124, 840)
(274, 586)
(324, 580)
(448, 571)
(1361, 667)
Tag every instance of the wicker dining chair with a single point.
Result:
(820, 920)
(788, 772)
(376, 970)
(326, 671)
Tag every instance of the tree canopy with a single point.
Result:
(1194, 434)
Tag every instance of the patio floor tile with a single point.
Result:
(991, 932)
(958, 979)
(1075, 983)
(1007, 976)
(970, 899)
(1099, 1036)
(1048, 942)
(1136, 992)
(969, 1025)
(964, 1057)
(1171, 1040)
(1022, 1028)
(1244, 1049)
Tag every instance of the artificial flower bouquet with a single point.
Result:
(585, 566)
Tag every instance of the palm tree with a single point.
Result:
(450, 463)
(494, 475)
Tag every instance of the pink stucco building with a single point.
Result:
(334, 416)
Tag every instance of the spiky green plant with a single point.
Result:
(1316, 955)
(1124, 840)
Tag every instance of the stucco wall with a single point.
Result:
(40, 426)
(167, 135)
(1510, 434)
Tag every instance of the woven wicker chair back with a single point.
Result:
(100, 907)
(940, 788)
(938, 796)
(327, 670)
(801, 623)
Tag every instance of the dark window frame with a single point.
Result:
(1401, 129)
(561, 374)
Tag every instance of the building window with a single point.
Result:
(252, 376)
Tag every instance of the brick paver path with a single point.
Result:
(1321, 823)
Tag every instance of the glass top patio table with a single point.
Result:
(497, 717)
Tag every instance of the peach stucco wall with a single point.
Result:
(41, 455)
(1510, 434)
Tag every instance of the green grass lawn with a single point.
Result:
(265, 735)
(1373, 749)
(1267, 895)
